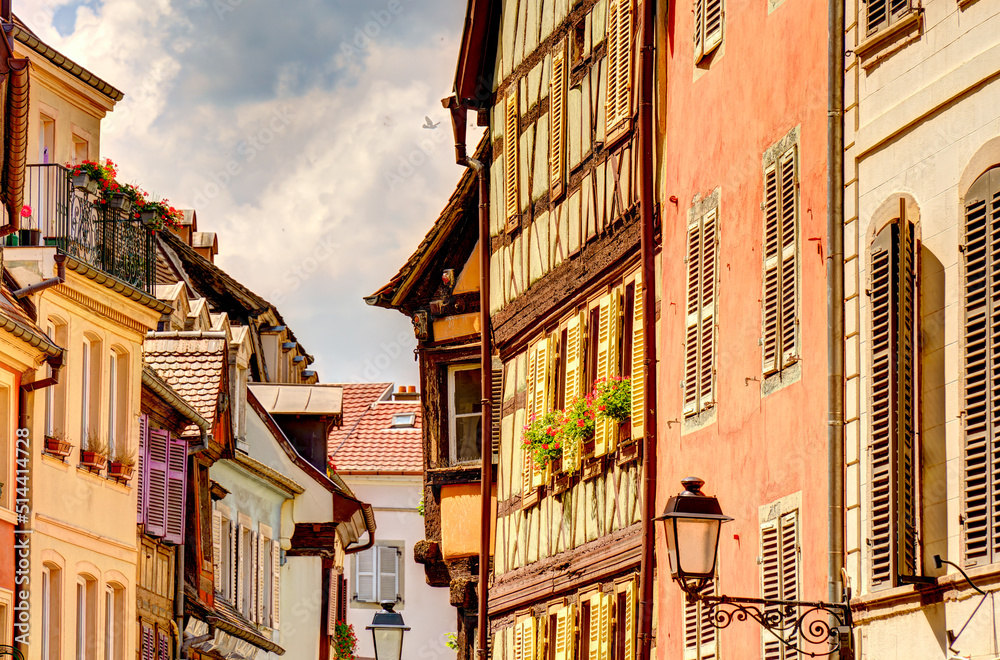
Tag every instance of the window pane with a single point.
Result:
(468, 438)
(468, 394)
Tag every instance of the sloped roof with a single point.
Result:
(16, 321)
(285, 399)
(193, 364)
(367, 442)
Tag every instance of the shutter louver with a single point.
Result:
(779, 554)
(606, 627)
(332, 601)
(250, 571)
(880, 14)
(565, 633)
(542, 394)
(148, 643)
(692, 323)
(364, 584)
(176, 489)
(893, 514)
(526, 460)
(519, 641)
(789, 259)
(510, 159)
(780, 297)
(608, 331)
(529, 639)
(234, 563)
(576, 332)
(217, 548)
(712, 26)
(789, 528)
(981, 397)
(388, 573)
(156, 509)
(623, 88)
(614, 52)
(638, 357)
(699, 29)
(141, 501)
(706, 331)
(699, 633)
(276, 586)
(164, 653)
(770, 587)
(557, 122)
(262, 588)
(627, 618)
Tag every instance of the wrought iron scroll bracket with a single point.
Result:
(10, 651)
(795, 624)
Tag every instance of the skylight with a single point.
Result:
(404, 421)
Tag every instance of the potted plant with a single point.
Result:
(27, 235)
(613, 398)
(159, 214)
(121, 464)
(122, 197)
(345, 643)
(92, 176)
(577, 427)
(541, 438)
(56, 445)
(94, 453)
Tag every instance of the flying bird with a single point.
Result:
(429, 124)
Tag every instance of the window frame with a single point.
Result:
(378, 597)
(702, 45)
(453, 416)
(699, 311)
(891, 18)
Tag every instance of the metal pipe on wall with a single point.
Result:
(646, 218)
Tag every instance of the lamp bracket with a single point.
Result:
(797, 624)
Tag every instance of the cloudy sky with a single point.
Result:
(293, 127)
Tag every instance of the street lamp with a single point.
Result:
(387, 632)
(692, 521)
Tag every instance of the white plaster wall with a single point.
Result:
(424, 608)
(301, 608)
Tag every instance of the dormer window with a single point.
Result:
(404, 421)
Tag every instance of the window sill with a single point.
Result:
(911, 598)
(459, 474)
(877, 42)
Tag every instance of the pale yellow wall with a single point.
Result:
(76, 107)
(85, 522)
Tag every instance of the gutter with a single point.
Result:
(647, 560)
(835, 301)
(60, 277)
(459, 111)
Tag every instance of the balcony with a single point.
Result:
(71, 220)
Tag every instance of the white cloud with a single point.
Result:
(307, 157)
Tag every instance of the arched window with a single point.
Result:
(118, 420)
(90, 391)
(51, 596)
(114, 622)
(893, 296)
(981, 353)
(55, 395)
(86, 617)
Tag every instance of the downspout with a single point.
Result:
(24, 529)
(835, 300)
(458, 121)
(45, 284)
(181, 646)
(646, 217)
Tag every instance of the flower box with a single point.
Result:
(57, 447)
(29, 237)
(92, 460)
(119, 471)
(82, 181)
(148, 218)
(119, 201)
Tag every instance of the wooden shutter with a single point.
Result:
(510, 158)
(143, 478)
(607, 626)
(700, 636)
(699, 29)
(623, 41)
(496, 394)
(770, 583)
(234, 560)
(276, 587)
(565, 633)
(252, 571)
(608, 335)
(627, 619)
(557, 121)
(364, 576)
(176, 489)
(526, 460)
(217, 548)
(779, 552)
(156, 510)
(529, 639)
(164, 652)
(332, 602)
(542, 394)
(262, 588)
(893, 513)
(388, 573)
(699, 348)
(594, 641)
(980, 396)
(880, 14)
(241, 567)
(638, 370)
(148, 643)
(788, 526)
(576, 335)
(780, 296)
(611, 93)
(713, 13)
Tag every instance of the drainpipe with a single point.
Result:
(179, 602)
(181, 556)
(45, 284)
(646, 216)
(835, 299)
(458, 121)
(24, 528)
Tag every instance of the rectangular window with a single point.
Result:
(780, 295)
(46, 139)
(378, 574)
(701, 638)
(112, 401)
(539, 402)
(526, 639)
(881, 14)
(700, 332)
(510, 159)
(779, 580)
(86, 618)
(50, 391)
(81, 150)
(609, 327)
(51, 612)
(465, 413)
(625, 608)
(618, 99)
(637, 355)
(85, 393)
(114, 623)
(981, 352)
(562, 632)
(709, 18)
(892, 395)
(601, 626)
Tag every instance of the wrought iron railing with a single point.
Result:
(72, 220)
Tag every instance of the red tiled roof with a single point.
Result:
(193, 366)
(366, 442)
